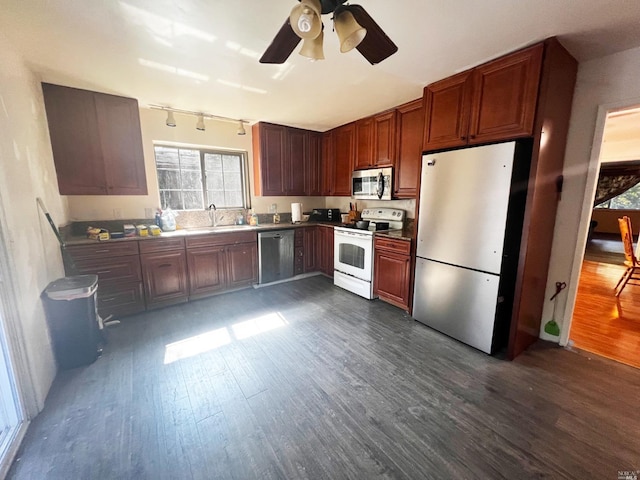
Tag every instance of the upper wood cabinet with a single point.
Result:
(495, 101)
(327, 163)
(287, 161)
(315, 166)
(384, 139)
(375, 141)
(296, 161)
(364, 143)
(409, 130)
(269, 150)
(343, 159)
(96, 142)
(447, 105)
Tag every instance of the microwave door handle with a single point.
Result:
(380, 187)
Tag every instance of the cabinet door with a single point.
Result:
(268, 159)
(207, 270)
(410, 127)
(121, 299)
(364, 143)
(311, 263)
(121, 144)
(242, 261)
(384, 139)
(327, 164)
(75, 140)
(344, 151)
(325, 249)
(164, 276)
(504, 96)
(314, 166)
(296, 159)
(447, 105)
(392, 277)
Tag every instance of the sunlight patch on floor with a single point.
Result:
(205, 342)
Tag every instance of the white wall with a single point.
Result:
(602, 84)
(34, 254)
(218, 134)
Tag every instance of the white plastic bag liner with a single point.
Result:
(72, 288)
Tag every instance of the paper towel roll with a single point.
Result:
(296, 212)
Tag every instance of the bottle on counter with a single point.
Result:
(253, 218)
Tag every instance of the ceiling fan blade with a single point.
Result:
(376, 46)
(282, 45)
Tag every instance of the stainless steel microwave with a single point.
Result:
(372, 184)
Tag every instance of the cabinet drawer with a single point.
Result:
(298, 237)
(107, 250)
(392, 245)
(111, 270)
(216, 239)
(161, 244)
(122, 299)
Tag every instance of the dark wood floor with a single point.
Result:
(304, 380)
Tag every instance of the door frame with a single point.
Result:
(593, 170)
(24, 386)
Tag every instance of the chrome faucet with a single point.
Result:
(213, 215)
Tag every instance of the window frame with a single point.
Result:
(202, 150)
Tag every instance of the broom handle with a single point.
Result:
(53, 225)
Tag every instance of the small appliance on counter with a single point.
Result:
(296, 212)
(325, 215)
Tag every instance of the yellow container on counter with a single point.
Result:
(142, 230)
(154, 230)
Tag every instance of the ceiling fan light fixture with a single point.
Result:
(312, 48)
(305, 19)
(171, 121)
(349, 31)
(200, 123)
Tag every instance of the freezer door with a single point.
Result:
(464, 197)
(456, 301)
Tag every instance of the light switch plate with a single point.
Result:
(117, 213)
(148, 213)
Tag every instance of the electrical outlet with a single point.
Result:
(117, 213)
(273, 208)
(148, 213)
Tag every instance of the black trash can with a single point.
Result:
(70, 305)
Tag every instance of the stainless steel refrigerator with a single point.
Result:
(469, 228)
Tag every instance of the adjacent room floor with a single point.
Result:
(602, 323)
(305, 380)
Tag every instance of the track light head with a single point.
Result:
(171, 122)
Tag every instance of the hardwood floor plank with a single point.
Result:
(306, 381)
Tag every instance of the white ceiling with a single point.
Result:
(202, 55)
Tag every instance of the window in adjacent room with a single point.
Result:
(192, 179)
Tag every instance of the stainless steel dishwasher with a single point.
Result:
(275, 251)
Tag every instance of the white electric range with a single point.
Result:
(353, 249)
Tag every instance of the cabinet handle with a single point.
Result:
(104, 271)
(106, 300)
(463, 138)
(164, 265)
(101, 251)
(472, 137)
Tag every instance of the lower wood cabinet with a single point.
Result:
(242, 265)
(221, 262)
(392, 271)
(164, 272)
(325, 249)
(117, 266)
(311, 253)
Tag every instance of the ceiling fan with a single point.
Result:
(353, 25)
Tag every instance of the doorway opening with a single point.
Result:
(603, 323)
